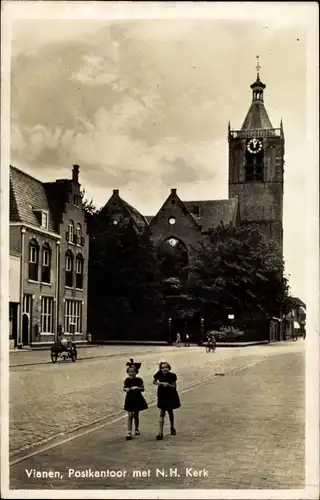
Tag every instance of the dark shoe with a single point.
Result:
(159, 437)
(173, 432)
(128, 437)
(137, 432)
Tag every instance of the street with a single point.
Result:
(241, 423)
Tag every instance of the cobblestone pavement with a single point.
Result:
(245, 428)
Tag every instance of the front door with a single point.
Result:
(25, 329)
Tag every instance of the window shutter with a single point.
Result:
(82, 242)
(67, 235)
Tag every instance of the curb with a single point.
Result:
(46, 348)
(35, 363)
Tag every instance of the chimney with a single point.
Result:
(75, 173)
(173, 191)
(116, 192)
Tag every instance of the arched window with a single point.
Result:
(71, 232)
(33, 260)
(79, 233)
(46, 264)
(69, 268)
(174, 258)
(79, 271)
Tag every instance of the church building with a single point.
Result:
(256, 170)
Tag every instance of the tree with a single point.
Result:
(90, 210)
(124, 293)
(236, 270)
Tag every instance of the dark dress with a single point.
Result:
(134, 400)
(168, 397)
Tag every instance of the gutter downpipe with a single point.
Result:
(19, 339)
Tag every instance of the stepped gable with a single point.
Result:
(58, 193)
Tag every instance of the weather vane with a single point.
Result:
(258, 67)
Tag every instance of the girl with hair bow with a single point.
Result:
(134, 400)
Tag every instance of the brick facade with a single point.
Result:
(42, 245)
(183, 226)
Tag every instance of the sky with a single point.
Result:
(142, 105)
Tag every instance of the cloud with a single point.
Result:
(143, 106)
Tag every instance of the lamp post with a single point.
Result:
(170, 330)
(202, 328)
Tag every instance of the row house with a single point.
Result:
(49, 249)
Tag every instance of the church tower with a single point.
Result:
(256, 167)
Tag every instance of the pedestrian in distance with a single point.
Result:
(187, 340)
(178, 340)
(296, 330)
(168, 397)
(134, 400)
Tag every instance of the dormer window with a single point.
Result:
(76, 200)
(42, 217)
(44, 220)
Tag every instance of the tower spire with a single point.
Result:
(257, 116)
(257, 87)
(258, 67)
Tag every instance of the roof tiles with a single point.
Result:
(27, 195)
(211, 213)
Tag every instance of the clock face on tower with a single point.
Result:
(254, 146)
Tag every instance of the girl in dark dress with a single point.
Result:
(134, 401)
(168, 397)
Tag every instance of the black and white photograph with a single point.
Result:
(159, 250)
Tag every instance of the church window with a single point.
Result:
(174, 259)
(173, 242)
(249, 173)
(259, 173)
(254, 173)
